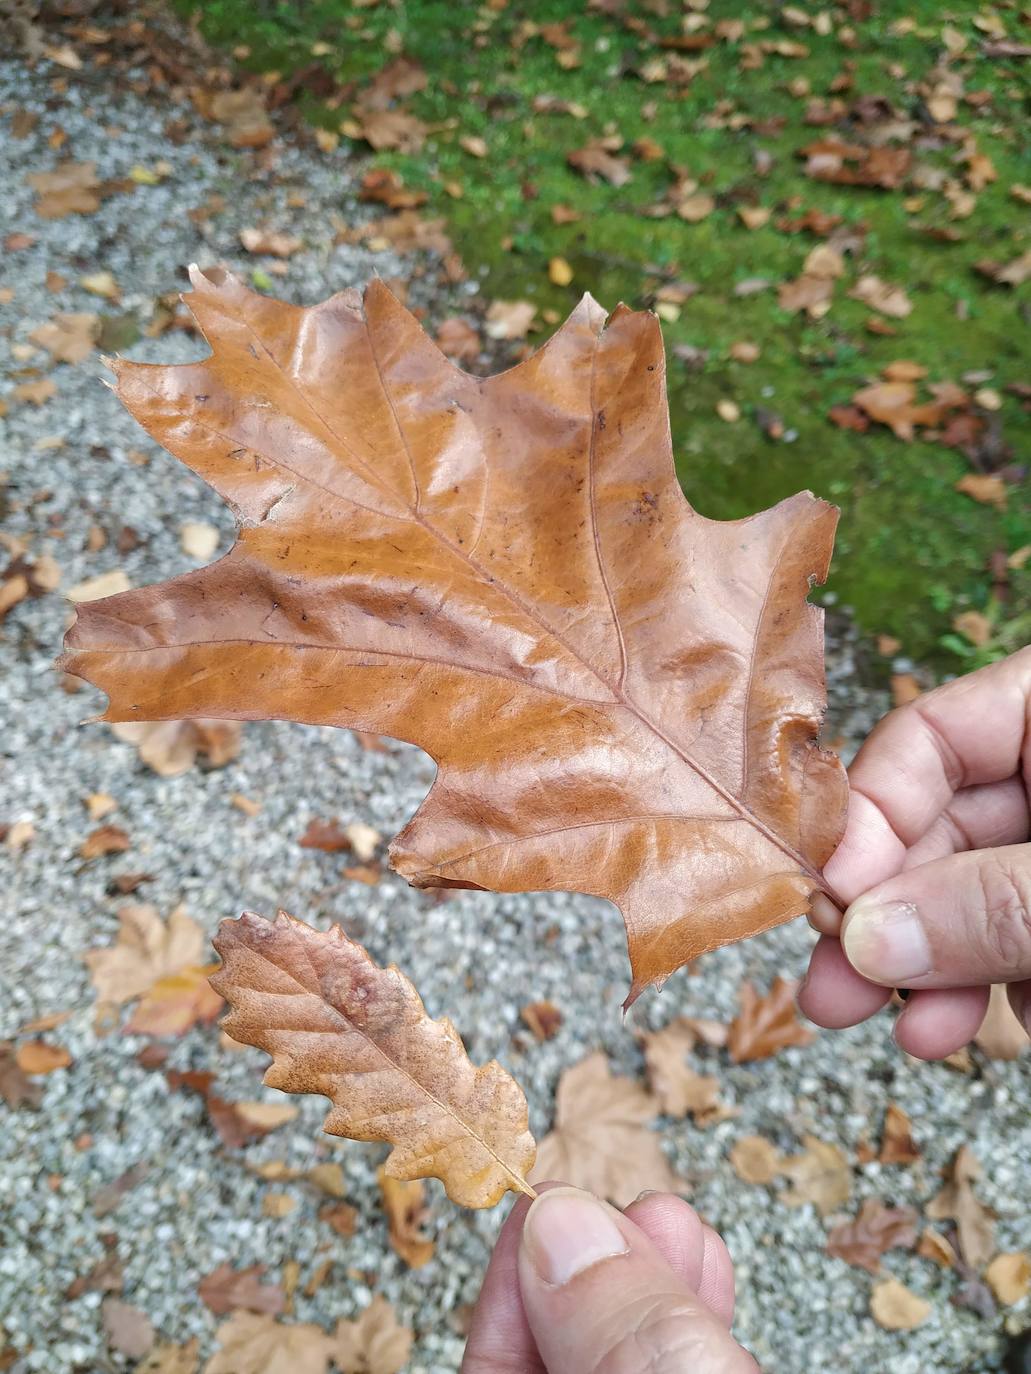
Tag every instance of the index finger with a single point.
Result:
(970, 731)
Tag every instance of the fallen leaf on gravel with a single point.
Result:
(1001, 1035)
(146, 951)
(176, 1003)
(374, 1344)
(404, 1202)
(1009, 1277)
(20, 836)
(933, 1246)
(329, 836)
(341, 1216)
(876, 1229)
(68, 338)
(542, 1018)
(277, 1205)
(897, 1143)
(509, 319)
(106, 1199)
(987, 488)
(766, 1025)
(755, 1159)
(821, 1174)
(128, 1330)
(896, 1308)
(881, 296)
(600, 1139)
(553, 636)
(106, 1276)
(198, 540)
(975, 1225)
(237, 1123)
(35, 393)
(227, 1289)
(71, 188)
(101, 284)
(328, 1178)
(16, 1088)
(457, 339)
(36, 1057)
(253, 1343)
(270, 243)
(171, 747)
(444, 1117)
(48, 1022)
(95, 588)
(166, 1358)
(106, 839)
(678, 1088)
(244, 116)
(363, 839)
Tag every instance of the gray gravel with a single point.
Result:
(477, 956)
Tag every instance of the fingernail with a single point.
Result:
(885, 941)
(646, 1192)
(566, 1232)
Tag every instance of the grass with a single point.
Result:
(912, 552)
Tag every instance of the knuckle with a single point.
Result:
(667, 1337)
(1006, 893)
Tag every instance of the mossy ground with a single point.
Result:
(912, 552)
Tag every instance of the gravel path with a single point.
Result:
(79, 461)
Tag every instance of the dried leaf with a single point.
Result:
(934, 1246)
(166, 1358)
(821, 1174)
(106, 1199)
(329, 836)
(256, 1343)
(176, 1003)
(755, 1159)
(404, 1202)
(237, 1123)
(882, 297)
(289, 985)
(244, 116)
(70, 189)
(596, 159)
(37, 1058)
(1001, 1036)
(509, 319)
(897, 1143)
(147, 951)
(374, 1344)
(68, 338)
(16, 1087)
(227, 1289)
(876, 1229)
(128, 1330)
(566, 620)
(975, 1226)
(679, 1089)
(270, 242)
(341, 1216)
(766, 1025)
(601, 1140)
(106, 1276)
(988, 488)
(1009, 1277)
(896, 1308)
(171, 747)
(106, 839)
(457, 339)
(543, 1019)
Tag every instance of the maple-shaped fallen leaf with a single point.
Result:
(876, 1229)
(227, 1289)
(374, 1344)
(147, 950)
(601, 1141)
(404, 1201)
(622, 696)
(679, 1089)
(766, 1025)
(337, 1024)
(256, 1343)
(957, 1201)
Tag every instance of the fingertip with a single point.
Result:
(937, 1022)
(716, 1288)
(834, 995)
(675, 1229)
(824, 917)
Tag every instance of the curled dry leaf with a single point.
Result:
(897, 1143)
(934, 1246)
(589, 622)
(106, 839)
(147, 950)
(876, 1229)
(404, 1201)
(337, 1024)
(766, 1025)
(975, 1225)
(897, 1308)
(171, 747)
(542, 1018)
(601, 1141)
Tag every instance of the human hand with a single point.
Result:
(575, 1287)
(935, 865)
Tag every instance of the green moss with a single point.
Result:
(911, 550)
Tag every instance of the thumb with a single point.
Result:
(953, 922)
(600, 1299)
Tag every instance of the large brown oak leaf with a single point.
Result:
(621, 695)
